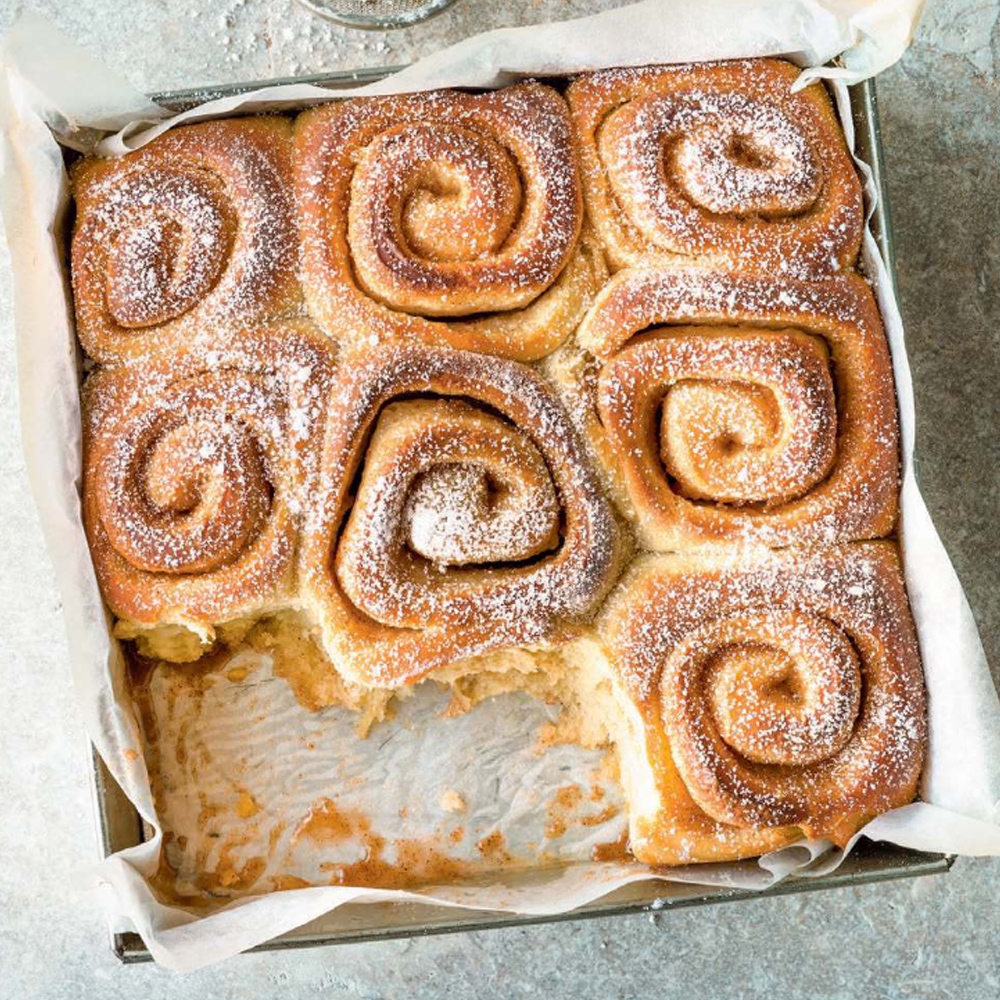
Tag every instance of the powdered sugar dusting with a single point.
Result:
(744, 417)
(719, 162)
(452, 518)
(742, 432)
(192, 236)
(442, 218)
(195, 465)
(427, 501)
(830, 722)
(465, 609)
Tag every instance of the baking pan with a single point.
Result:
(119, 825)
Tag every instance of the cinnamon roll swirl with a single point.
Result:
(445, 219)
(717, 161)
(195, 466)
(741, 408)
(771, 695)
(189, 236)
(476, 523)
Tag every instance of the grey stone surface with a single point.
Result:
(929, 938)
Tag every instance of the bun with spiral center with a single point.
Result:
(195, 466)
(770, 695)
(445, 218)
(477, 521)
(717, 161)
(731, 407)
(191, 236)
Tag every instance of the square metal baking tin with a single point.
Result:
(119, 825)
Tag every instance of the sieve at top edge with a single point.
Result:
(375, 14)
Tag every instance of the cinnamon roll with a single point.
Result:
(190, 236)
(742, 408)
(477, 521)
(717, 161)
(195, 466)
(445, 219)
(770, 695)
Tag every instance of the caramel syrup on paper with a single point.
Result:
(417, 861)
(386, 861)
(617, 851)
(563, 810)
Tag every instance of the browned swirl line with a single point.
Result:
(735, 407)
(191, 236)
(720, 161)
(477, 524)
(445, 219)
(195, 466)
(779, 692)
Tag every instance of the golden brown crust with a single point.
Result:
(778, 692)
(723, 420)
(190, 236)
(195, 464)
(445, 218)
(719, 162)
(424, 497)
(396, 580)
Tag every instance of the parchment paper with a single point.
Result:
(50, 86)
